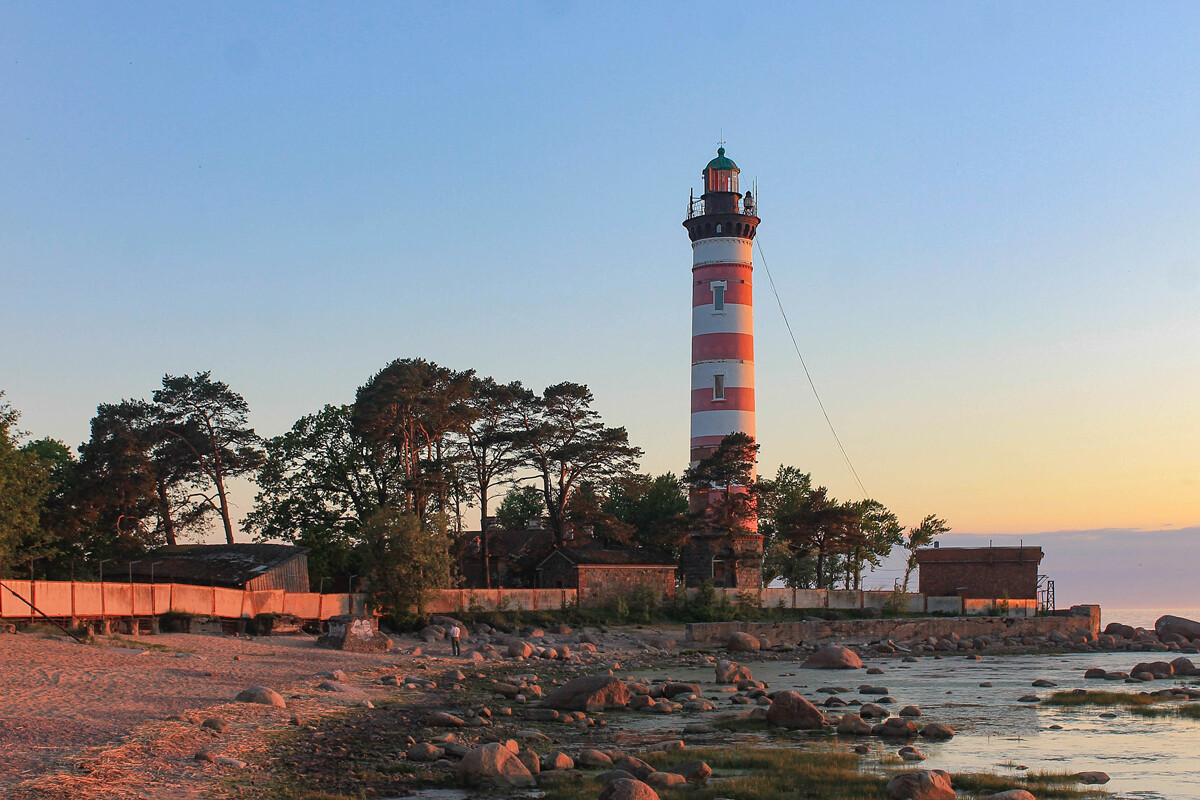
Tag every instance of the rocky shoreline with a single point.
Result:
(569, 708)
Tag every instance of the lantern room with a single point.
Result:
(721, 174)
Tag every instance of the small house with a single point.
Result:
(980, 573)
(232, 566)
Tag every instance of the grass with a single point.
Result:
(1187, 711)
(766, 773)
(1099, 698)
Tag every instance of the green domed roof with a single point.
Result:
(721, 162)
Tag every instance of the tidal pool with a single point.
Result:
(1146, 757)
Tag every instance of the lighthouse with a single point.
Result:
(721, 225)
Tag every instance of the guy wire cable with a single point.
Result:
(812, 385)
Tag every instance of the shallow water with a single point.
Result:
(1146, 757)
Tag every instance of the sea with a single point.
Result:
(1143, 617)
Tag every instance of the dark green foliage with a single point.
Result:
(566, 444)
(210, 422)
(25, 482)
(319, 483)
(406, 559)
(520, 506)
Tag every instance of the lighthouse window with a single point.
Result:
(718, 227)
(718, 387)
(718, 290)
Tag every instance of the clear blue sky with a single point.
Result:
(982, 219)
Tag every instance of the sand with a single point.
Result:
(63, 703)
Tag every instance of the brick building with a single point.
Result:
(603, 575)
(984, 573)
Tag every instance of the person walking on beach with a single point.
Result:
(454, 634)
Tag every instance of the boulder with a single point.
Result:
(696, 772)
(424, 751)
(1184, 666)
(635, 767)
(674, 689)
(853, 725)
(520, 650)
(593, 759)
(355, 633)
(790, 710)
(895, 728)
(1092, 778)
(911, 754)
(1117, 629)
(549, 777)
(442, 719)
(1159, 669)
(665, 780)
(1011, 794)
(495, 764)
(558, 760)
(1095, 673)
(742, 642)
(833, 656)
(261, 695)
(589, 693)
(936, 730)
(627, 789)
(923, 784)
(531, 761)
(730, 672)
(910, 711)
(1187, 628)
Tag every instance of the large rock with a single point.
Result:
(923, 784)
(1184, 666)
(1093, 778)
(593, 759)
(895, 728)
(495, 764)
(1187, 628)
(697, 772)
(853, 725)
(359, 634)
(589, 693)
(1011, 794)
(1117, 629)
(730, 672)
(261, 695)
(742, 642)
(790, 710)
(937, 731)
(833, 656)
(627, 789)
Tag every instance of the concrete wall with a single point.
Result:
(870, 629)
(88, 600)
(450, 601)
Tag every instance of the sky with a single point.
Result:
(981, 220)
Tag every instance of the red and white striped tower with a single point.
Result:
(721, 225)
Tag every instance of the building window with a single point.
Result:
(718, 387)
(718, 292)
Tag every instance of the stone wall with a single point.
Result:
(599, 586)
(1079, 619)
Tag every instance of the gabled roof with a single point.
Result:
(216, 564)
(595, 556)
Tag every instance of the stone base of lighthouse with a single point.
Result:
(733, 562)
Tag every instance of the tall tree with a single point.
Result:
(566, 443)
(24, 485)
(491, 444)
(921, 536)
(134, 482)
(821, 526)
(780, 498)
(877, 532)
(726, 480)
(318, 485)
(407, 411)
(210, 421)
